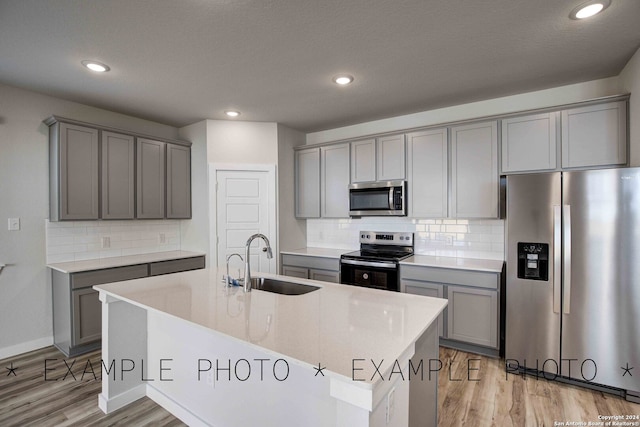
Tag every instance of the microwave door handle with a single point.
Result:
(391, 204)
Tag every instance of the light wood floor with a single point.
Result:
(494, 400)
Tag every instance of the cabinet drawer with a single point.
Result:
(97, 277)
(450, 276)
(332, 264)
(174, 266)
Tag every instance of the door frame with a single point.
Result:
(270, 169)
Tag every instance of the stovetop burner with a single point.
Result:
(383, 246)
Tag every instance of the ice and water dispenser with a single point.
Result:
(533, 261)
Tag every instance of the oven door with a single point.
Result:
(370, 274)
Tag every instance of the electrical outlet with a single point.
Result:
(106, 242)
(450, 240)
(391, 404)
(14, 224)
(162, 238)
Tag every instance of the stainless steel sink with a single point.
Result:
(281, 287)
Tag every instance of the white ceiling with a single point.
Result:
(181, 61)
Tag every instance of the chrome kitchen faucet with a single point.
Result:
(247, 267)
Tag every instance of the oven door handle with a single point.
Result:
(389, 265)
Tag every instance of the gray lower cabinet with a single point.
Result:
(118, 176)
(74, 172)
(77, 311)
(428, 290)
(178, 181)
(471, 320)
(301, 272)
(311, 267)
(473, 315)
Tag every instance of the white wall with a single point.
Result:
(292, 232)
(231, 141)
(195, 232)
(630, 82)
(25, 294)
(508, 104)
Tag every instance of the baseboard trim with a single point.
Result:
(175, 408)
(25, 347)
(123, 399)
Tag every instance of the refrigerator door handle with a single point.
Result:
(566, 277)
(557, 254)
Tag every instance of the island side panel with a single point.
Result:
(202, 377)
(124, 352)
(423, 391)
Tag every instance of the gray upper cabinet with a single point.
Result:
(334, 165)
(595, 135)
(474, 170)
(74, 172)
(381, 159)
(97, 172)
(427, 173)
(178, 181)
(529, 143)
(118, 176)
(150, 179)
(390, 158)
(307, 192)
(363, 161)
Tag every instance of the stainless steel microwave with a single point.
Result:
(378, 199)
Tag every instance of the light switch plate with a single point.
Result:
(14, 224)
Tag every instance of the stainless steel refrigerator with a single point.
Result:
(573, 276)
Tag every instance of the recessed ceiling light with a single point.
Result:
(343, 79)
(232, 113)
(588, 9)
(96, 66)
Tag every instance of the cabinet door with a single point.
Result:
(87, 316)
(307, 172)
(335, 181)
(325, 275)
(427, 173)
(150, 179)
(474, 171)
(79, 172)
(529, 143)
(291, 271)
(178, 181)
(595, 135)
(390, 158)
(363, 161)
(428, 290)
(473, 315)
(118, 176)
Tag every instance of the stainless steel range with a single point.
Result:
(376, 264)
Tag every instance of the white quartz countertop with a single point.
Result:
(332, 326)
(318, 252)
(102, 263)
(487, 265)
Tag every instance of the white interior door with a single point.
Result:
(242, 209)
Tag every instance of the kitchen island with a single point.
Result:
(212, 355)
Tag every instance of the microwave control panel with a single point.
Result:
(533, 261)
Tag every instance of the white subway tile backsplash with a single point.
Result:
(81, 240)
(468, 238)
